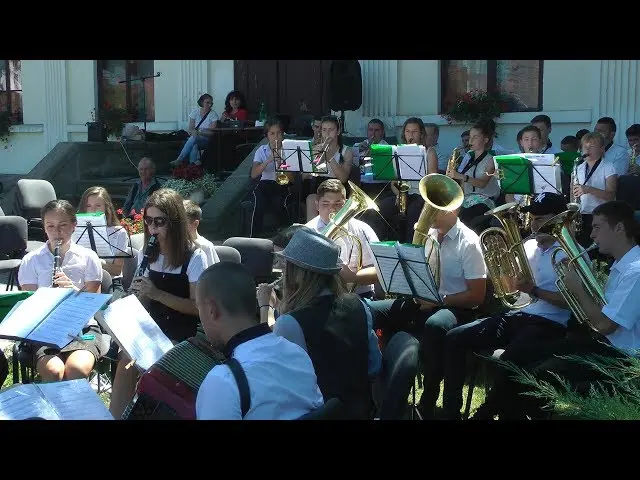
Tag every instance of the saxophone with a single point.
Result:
(634, 168)
(574, 203)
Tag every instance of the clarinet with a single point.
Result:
(56, 263)
(151, 245)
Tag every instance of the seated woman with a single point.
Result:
(167, 287)
(338, 158)
(97, 199)
(476, 176)
(202, 121)
(79, 267)
(334, 327)
(235, 107)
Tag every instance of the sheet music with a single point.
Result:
(392, 276)
(100, 236)
(31, 312)
(69, 400)
(75, 400)
(290, 155)
(134, 330)
(69, 318)
(412, 161)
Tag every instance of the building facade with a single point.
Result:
(54, 99)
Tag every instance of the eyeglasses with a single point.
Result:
(159, 222)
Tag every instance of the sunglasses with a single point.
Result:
(157, 221)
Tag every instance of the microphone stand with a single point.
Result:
(144, 100)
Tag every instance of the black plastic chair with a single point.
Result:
(31, 195)
(399, 369)
(333, 409)
(256, 254)
(228, 254)
(129, 268)
(627, 191)
(13, 245)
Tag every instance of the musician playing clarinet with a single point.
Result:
(79, 268)
(167, 287)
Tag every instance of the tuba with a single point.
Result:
(337, 228)
(506, 259)
(560, 227)
(440, 194)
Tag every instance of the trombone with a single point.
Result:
(315, 163)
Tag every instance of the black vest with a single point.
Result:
(175, 325)
(336, 333)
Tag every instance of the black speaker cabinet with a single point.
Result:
(346, 85)
(96, 132)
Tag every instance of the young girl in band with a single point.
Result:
(338, 157)
(167, 287)
(97, 199)
(80, 267)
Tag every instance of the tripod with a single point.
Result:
(144, 100)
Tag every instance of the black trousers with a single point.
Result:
(385, 222)
(430, 327)
(511, 332)
(508, 397)
(270, 197)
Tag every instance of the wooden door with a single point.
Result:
(258, 81)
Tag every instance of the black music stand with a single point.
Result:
(144, 98)
(99, 244)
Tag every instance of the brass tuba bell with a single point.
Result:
(506, 258)
(440, 194)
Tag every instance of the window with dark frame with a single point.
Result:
(520, 80)
(11, 89)
(129, 94)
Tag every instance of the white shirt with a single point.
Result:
(80, 264)
(282, 383)
(197, 265)
(261, 155)
(414, 185)
(349, 253)
(622, 292)
(545, 278)
(208, 122)
(209, 250)
(336, 157)
(491, 189)
(460, 258)
(588, 201)
(119, 241)
(618, 156)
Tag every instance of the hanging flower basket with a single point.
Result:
(475, 106)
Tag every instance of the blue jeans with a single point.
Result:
(190, 148)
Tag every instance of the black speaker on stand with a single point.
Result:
(346, 87)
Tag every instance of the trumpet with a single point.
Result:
(282, 178)
(316, 163)
(57, 262)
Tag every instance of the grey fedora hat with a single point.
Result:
(312, 251)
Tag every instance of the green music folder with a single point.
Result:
(567, 160)
(382, 162)
(515, 174)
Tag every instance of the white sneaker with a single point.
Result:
(175, 162)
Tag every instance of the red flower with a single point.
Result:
(119, 211)
(137, 217)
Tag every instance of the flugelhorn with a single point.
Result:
(505, 257)
(559, 227)
(57, 262)
(440, 194)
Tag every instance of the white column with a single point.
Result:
(194, 81)
(619, 100)
(55, 97)
(379, 88)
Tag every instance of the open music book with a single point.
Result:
(402, 269)
(52, 316)
(131, 326)
(69, 400)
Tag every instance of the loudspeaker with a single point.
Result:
(345, 85)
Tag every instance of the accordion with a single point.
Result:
(168, 389)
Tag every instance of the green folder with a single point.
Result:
(8, 300)
(567, 160)
(515, 174)
(382, 162)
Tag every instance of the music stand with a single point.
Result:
(518, 174)
(144, 98)
(398, 162)
(91, 232)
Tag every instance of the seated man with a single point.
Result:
(143, 188)
(613, 330)
(463, 281)
(544, 319)
(331, 198)
(281, 379)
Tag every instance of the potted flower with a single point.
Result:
(475, 106)
(192, 181)
(110, 121)
(132, 223)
